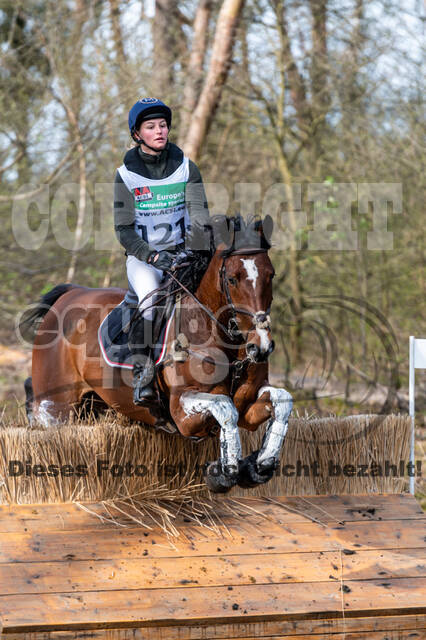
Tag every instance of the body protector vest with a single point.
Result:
(161, 215)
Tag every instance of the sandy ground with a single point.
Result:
(15, 367)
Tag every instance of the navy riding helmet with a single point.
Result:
(147, 108)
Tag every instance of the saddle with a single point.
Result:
(113, 335)
(113, 331)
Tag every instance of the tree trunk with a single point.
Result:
(166, 32)
(194, 73)
(74, 72)
(217, 74)
(126, 91)
(293, 256)
(296, 83)
(82, 193)
(319, 83)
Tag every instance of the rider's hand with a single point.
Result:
(161, 259)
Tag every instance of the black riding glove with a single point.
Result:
(161, 259)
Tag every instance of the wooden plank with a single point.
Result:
(69, 517)
(368, 635)
(327, 509)
(156, 573)
(120, 608)
(384, 563)
(125, 634)
(134, 543)
(352, 508)
(80, 578)
(378, 595)
(30, 612)
(297, 628)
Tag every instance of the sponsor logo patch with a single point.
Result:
(145, 194)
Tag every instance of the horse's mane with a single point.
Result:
(234, 232)
(204, 241)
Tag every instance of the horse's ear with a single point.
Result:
(223, 231)
(238, 223)
(265, 228)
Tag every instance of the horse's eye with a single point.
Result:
(232, 281)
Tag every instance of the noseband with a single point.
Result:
(261, 319)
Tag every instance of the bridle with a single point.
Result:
(261, 319)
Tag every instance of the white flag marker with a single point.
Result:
(417, 361)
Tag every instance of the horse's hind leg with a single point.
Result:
(40, 411)
(91, 405)
(29, 398)
(55, 393)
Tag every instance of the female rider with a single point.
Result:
(158, 195)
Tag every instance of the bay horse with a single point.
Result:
(223, 382)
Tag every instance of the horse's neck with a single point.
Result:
(209, 290)
(210, 294)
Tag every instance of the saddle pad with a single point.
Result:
(113, 341)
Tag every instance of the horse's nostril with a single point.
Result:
(252, 350)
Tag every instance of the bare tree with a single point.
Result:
(217, 74)
(121, 66)
(168, 38)
(194, 70)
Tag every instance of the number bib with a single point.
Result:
(161, 216)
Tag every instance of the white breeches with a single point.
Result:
(144, 278)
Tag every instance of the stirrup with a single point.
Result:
(143, 389)
(144, 395)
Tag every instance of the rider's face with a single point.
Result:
(154, 133)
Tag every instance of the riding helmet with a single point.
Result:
(147, 108)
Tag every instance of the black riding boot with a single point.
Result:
(140, 336)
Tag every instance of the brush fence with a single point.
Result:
(110, 458)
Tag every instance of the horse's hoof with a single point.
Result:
(267, 465)
(250, 475)
(216, 480)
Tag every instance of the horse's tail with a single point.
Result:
(31, 318)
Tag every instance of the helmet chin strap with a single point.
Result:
(140, 141)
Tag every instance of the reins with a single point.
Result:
(261, 319)
(202, 306)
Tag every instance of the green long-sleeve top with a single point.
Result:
(154, 167)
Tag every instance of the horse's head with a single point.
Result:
(245, 283)
(246, 278)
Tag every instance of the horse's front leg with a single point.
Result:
(275, 405)
(194, 410)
